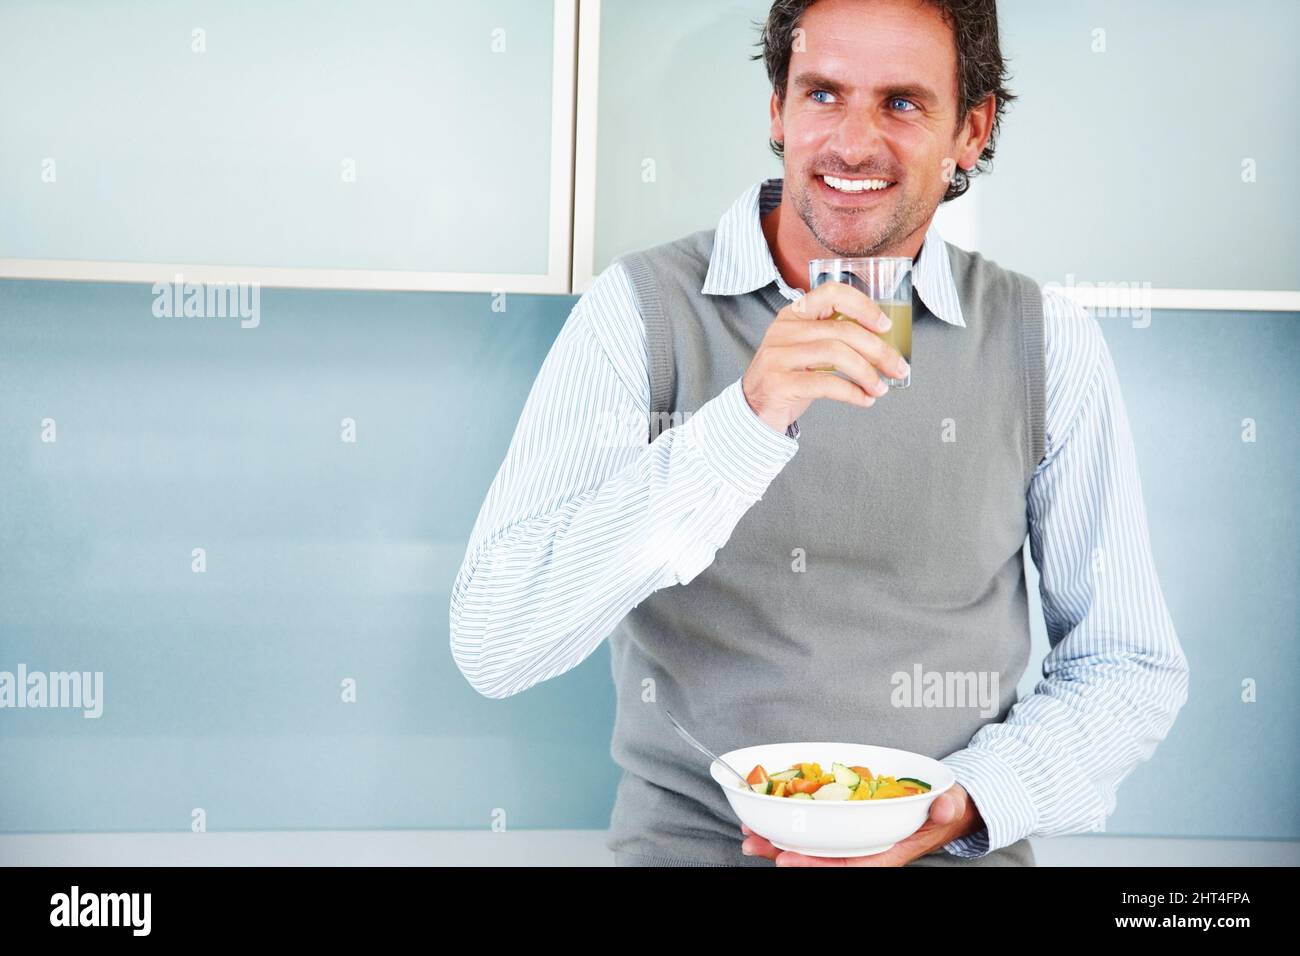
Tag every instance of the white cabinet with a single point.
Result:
(1150, 153)
(392, 144)
(1131, 166)
(521, 145)
(672, 122)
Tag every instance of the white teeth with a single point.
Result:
(855, 185)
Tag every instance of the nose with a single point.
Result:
(858, 137)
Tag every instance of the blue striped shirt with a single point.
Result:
(585, 519)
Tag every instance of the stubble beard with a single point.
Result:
(896, 226)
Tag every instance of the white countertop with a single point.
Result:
(530, 848)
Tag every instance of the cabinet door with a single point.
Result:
(1152, 148)
(1129, 168)
(673, 124)
(395, 144)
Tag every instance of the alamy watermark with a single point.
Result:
(128, 910)
(630, 430)
(219, 300)
(1115, 300)
(922, 688)
(72, 689)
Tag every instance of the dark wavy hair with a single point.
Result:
(980, 67)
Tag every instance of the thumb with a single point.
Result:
(944, 809)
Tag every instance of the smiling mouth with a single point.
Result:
(857, 189)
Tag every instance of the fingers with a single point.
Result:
(788, 371)
(755, 845)
(897, 855)
(830, 298)
(870, 346)
(840, 356)
(825, 355)
(891, 857)
(791, 858)
(944, 809)
(807, 385)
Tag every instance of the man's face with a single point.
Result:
(871, 94)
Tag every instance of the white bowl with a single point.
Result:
(832, 828)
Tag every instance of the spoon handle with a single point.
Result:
(685, 735)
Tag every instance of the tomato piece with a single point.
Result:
(757, 775)
(805, 785)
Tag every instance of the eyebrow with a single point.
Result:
(811, 80)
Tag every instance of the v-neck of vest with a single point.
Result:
(773, 296)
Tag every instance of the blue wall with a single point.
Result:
(328, 560)
(1225, 532)
(325, 560)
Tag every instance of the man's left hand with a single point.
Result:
(952, 815)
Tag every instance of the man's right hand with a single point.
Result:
(782, 381)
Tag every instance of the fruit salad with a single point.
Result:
(806, 781)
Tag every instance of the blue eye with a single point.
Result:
(899, 99)
(815, 92)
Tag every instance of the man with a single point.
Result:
(783, 562)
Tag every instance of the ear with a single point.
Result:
(974, 134)
(777, 130)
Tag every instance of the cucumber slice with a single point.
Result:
(764, 788)
(845, 776)
(801, 796)
(914, 780)
(832, 791)
(787, 774)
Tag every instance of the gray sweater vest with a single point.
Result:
(885, 556)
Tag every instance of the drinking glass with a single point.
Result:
(887, 281)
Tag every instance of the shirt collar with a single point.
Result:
(742, 261)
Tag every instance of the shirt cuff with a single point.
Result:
(741, 448)
(1001, 797)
